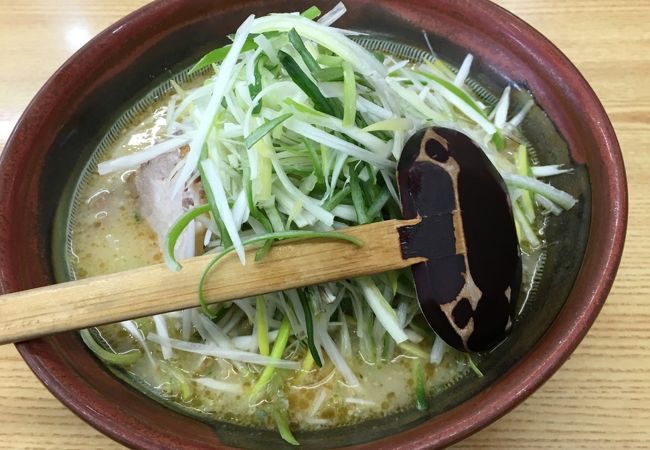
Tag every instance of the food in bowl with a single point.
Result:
(292, 126)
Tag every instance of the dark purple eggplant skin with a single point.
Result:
(442, 173)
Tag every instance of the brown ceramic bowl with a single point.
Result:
(72, 112)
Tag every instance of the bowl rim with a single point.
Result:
(536, 367)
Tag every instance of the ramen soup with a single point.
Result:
(295, 127)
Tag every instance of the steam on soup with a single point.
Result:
(293, 126)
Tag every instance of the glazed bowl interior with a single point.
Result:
(74, 111)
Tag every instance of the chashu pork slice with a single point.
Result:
(160, 209)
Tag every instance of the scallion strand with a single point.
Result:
(117, 359)
(337, 198)
(278, 349)
(255, 88)
(321, 103)
(175, 232)
(219, 54)
(311, 13)
(315, 160)
(309, 325)
(261, 325)
(378, 203)
(282, 422)
(472, 365)
(357, 197)
(307, 57)
(264, 129)
(420, 392)
(223, 233)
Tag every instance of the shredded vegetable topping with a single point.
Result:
(294, 133)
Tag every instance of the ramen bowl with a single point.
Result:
(77, 107)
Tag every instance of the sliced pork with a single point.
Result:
(160, 209)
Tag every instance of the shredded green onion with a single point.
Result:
(218, 55)
(223, 234)
(175, 232)
(255, 88)
(349, 95)
(262, 326)
(414, 350)
(117, 359)
(321, 103)
(311, 13)
(421, 402)
(307, 57)
(472, 365)
(523, 168)
(310, 328)
(278, 349)
(357, 197)
(282, 422)
(555, 195)
(265, 129)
